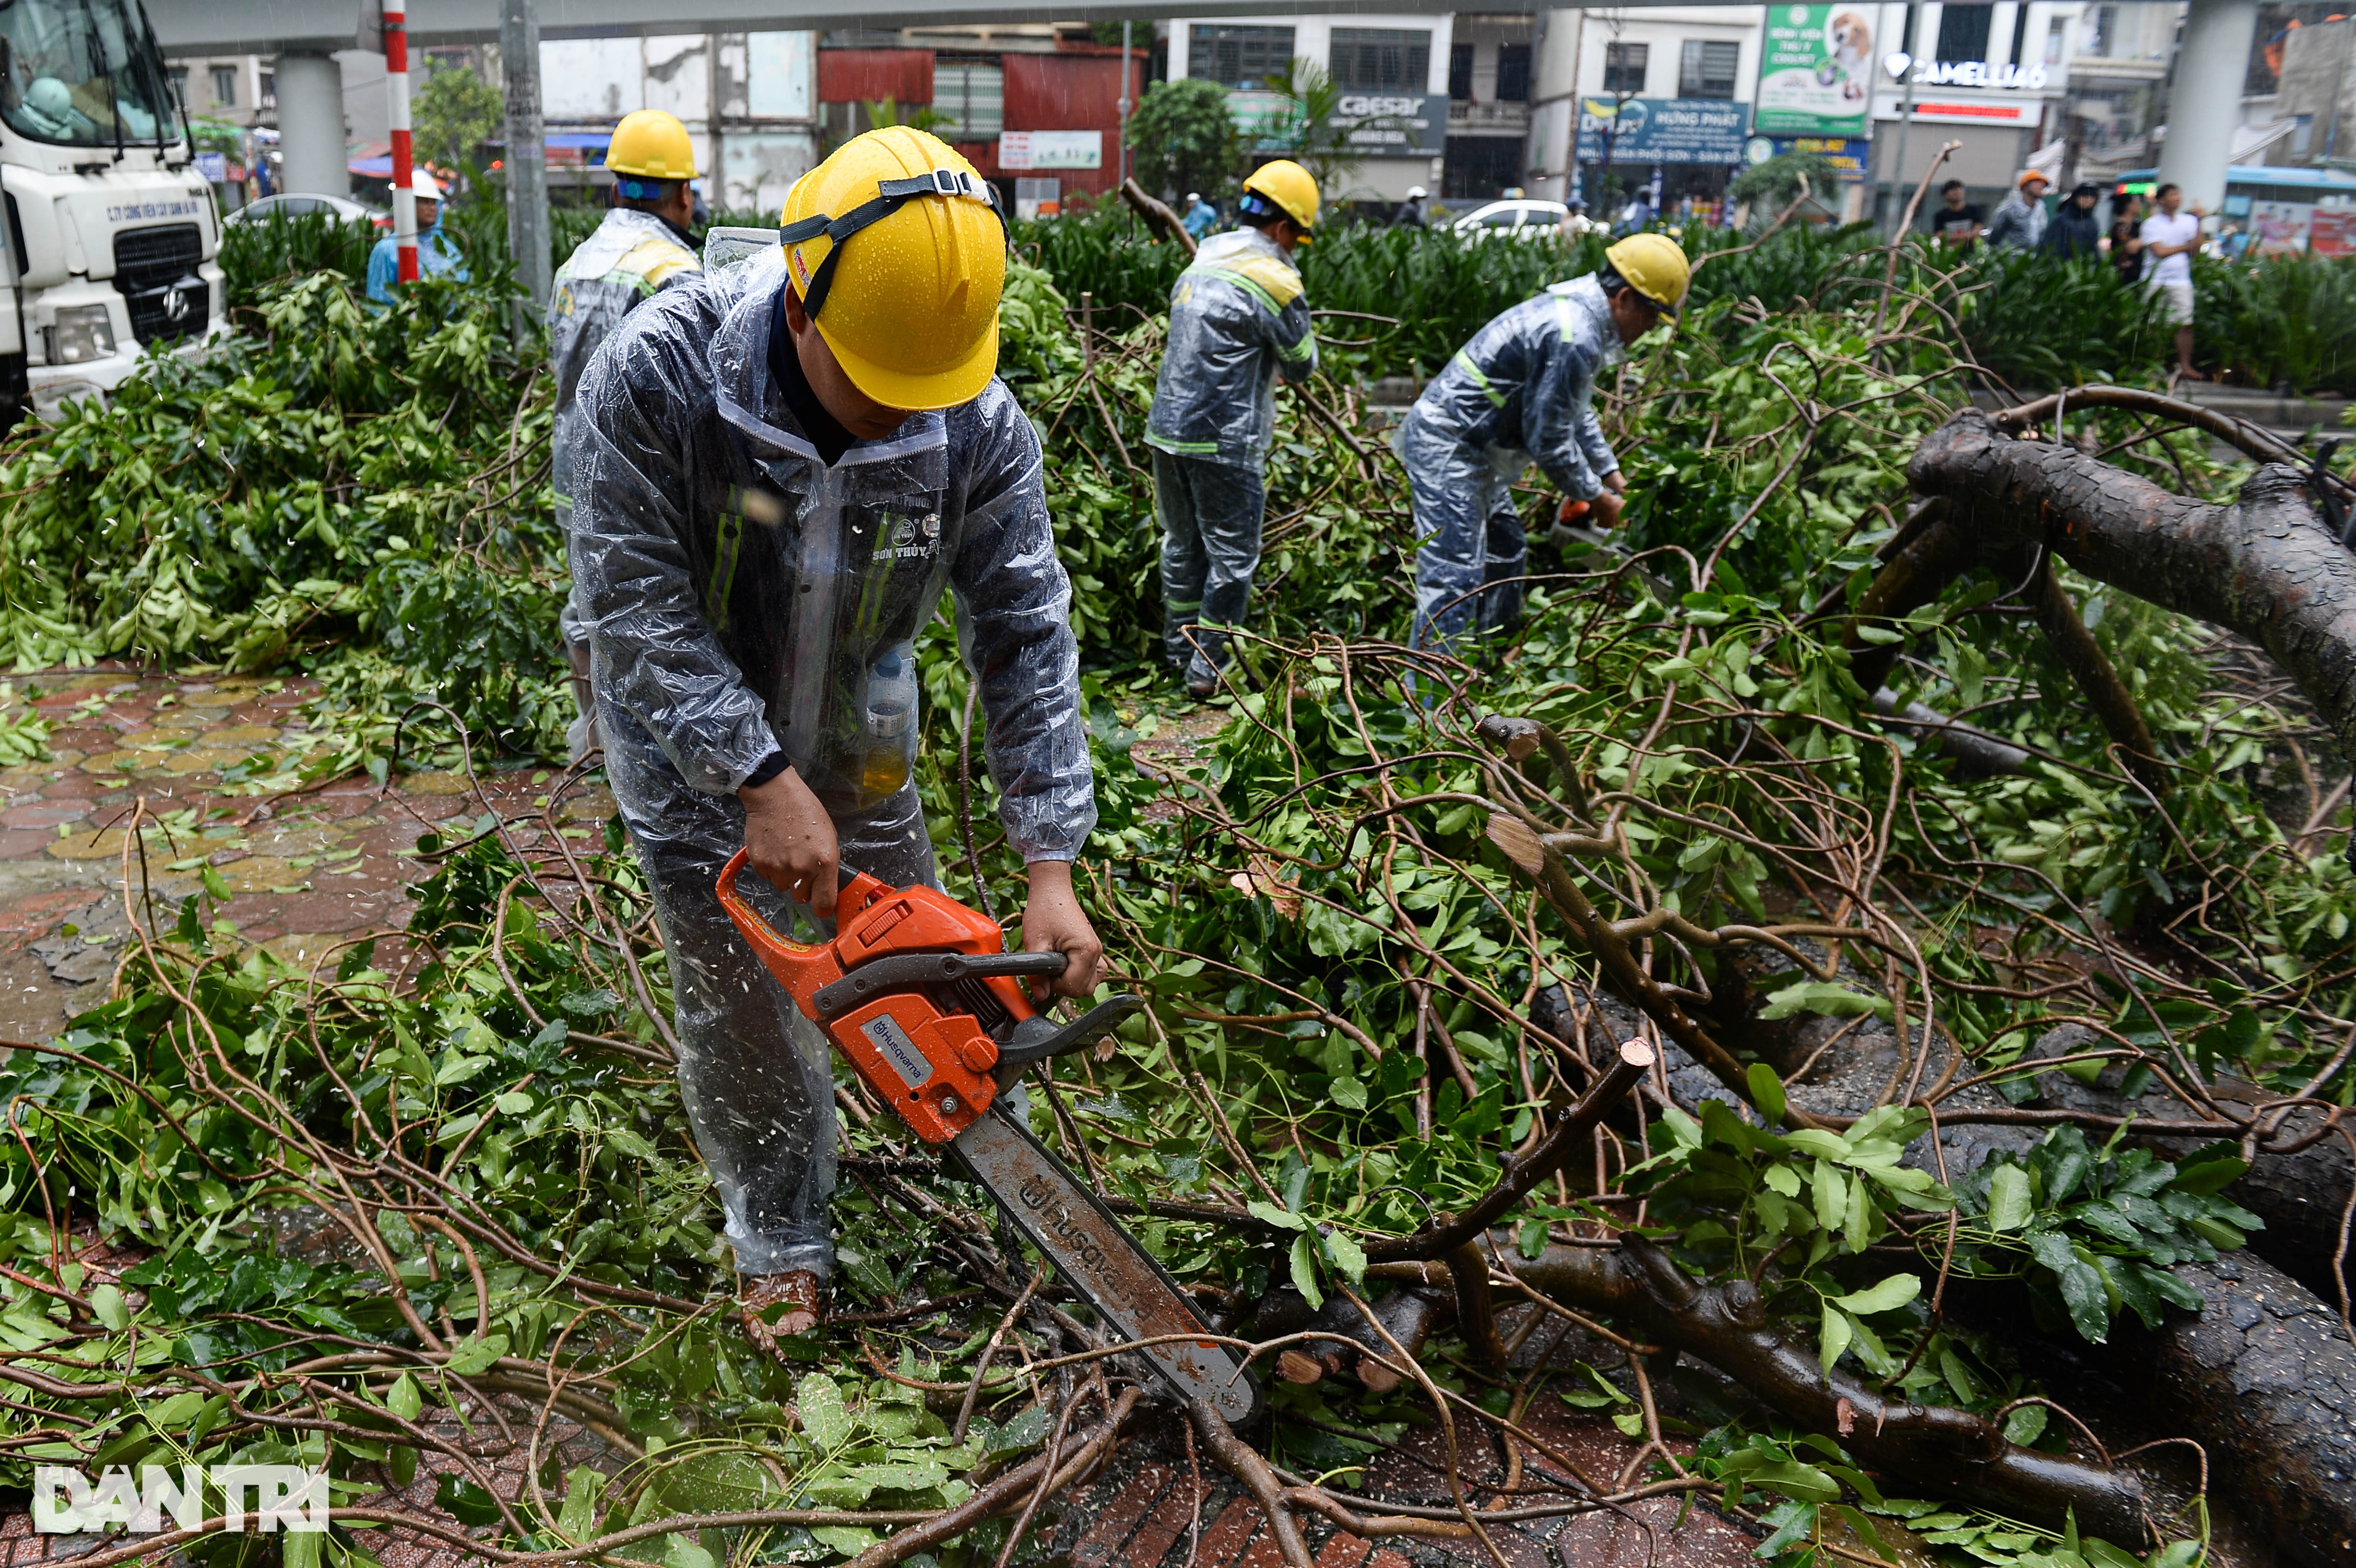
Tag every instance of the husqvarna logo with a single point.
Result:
(1037, 1194)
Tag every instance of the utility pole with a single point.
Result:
(1905, 116)
(1120, 159)
(527, 162)
(396, 114)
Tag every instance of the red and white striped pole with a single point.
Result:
(396, 103)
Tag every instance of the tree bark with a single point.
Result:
(2263, 567)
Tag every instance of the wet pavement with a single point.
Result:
(305, 869)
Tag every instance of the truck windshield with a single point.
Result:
(84, 72)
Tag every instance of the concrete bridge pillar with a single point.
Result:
(311, 124)
(2212, 63)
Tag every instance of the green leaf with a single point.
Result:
(1766, 1092)
(1831, 1194)
(107, 1305)
(1833, 1337)
(1346, 1255)
(1880, 636)
(681, 1550)
(1631, 1422)
(472, 1355)
(819, 1402)
(1304, 1272)
(1817, 1142)
(2026, 1425)
(1828, 998)
(1894, 1292)
(1346, 1091)
(1795, 1479)
(1782, 1179)
(582, 1487)
(404, 1399)
(1269, 1214)
(1865, 1531)
(2176, 1554)
(2009, 1201)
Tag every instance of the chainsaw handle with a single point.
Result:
(858, 891)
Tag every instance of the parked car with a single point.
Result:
(1520, 217)
(294, 204)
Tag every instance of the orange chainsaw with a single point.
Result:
(921, 997)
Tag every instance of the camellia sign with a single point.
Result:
(1964, 73)
(1816, 70)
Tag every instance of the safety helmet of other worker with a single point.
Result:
(898, 248)
(1653, 265)
(650, 153)
(1281, 189)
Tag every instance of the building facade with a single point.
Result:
(1392, 73)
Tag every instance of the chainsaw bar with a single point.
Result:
(1102, 1261)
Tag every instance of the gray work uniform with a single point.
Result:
(1238, 321)
(629, 258)
(1520, 392)
(741, 596)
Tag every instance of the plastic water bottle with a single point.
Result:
(891, 717)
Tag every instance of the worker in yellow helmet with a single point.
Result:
(641, 248)
(1238, 319)
(1520, 392)
(783, 466)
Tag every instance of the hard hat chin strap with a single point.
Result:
(890, 197)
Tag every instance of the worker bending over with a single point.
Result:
(782, 466)
(641, 248)
(1238, 321)
(1521, 392)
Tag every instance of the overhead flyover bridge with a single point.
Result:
(2212, 62)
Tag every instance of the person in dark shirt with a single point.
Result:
(2126, 237)
(1955, 222)
(2074, 231)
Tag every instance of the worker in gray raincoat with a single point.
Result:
(1238, 320)
(639, 250)
(783, 466)
(1520, 392)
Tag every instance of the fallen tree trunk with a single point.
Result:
(2263, 567)
(1951, 1452)
(2266, 1379)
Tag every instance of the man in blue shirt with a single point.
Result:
(436, 254)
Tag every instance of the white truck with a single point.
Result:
(111, 231)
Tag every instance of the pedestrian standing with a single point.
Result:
(641, 248)
(2074, 231)
(784, 464)
(1521, 391)
(2170, 237)
(2126, 237)
(1238, 319)
(2018, 221)
(1955, 222)
(1201, 216)
(436, 256)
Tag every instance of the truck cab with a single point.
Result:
(111, 231)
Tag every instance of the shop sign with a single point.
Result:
(1848, 155)
(1374, 124)
(214, 167)
(1816, 70)
(2332, 231)
(1679, 131)
(2005, 78)
(1050, 150)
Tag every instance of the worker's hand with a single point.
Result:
(1053, 921)
(1604, 510)
(1616, 482)
(791, 840)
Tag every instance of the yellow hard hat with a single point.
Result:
(1289, 186)
(897, 248)
(652, 145)
(1654, 266)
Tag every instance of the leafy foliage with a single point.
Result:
(1184, 139)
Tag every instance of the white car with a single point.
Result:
(1518, 217)
(296, 204)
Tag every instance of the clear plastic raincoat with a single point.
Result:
(741, 597)
(1519, 392)
(1238, 321)
(629, 258)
